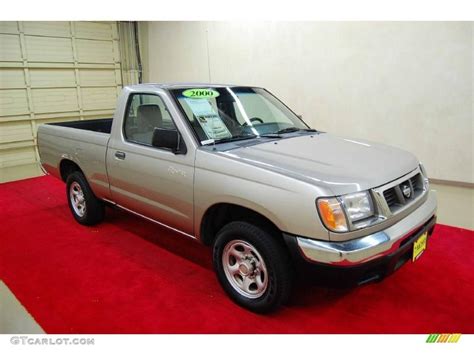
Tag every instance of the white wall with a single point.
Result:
(405, 84)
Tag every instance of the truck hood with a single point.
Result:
(339, 164)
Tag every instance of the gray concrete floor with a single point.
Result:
(14, 318)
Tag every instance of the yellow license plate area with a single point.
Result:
(419, 246)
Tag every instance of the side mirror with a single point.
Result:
(168, 139)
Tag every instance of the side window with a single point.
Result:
(145, 112)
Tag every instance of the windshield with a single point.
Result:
(221, 114)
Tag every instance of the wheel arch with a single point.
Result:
(220, 214)
(66, 167)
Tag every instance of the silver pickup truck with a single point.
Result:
(234, 168)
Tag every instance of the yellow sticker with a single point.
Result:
(419, 246)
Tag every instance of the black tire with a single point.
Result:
(275, 257)
(94, 211)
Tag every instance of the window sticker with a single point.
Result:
(200, 93)
(200, 107)
(208, 119)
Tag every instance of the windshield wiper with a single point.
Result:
(266, 135)
(277, 133)
(235, 138)
(286, 130)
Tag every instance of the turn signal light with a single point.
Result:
(332, 214)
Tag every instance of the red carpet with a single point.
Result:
(128, 275)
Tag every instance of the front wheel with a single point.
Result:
(85, 207)
(252, 266)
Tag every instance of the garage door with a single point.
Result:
(49, 72)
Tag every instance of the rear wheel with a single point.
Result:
(252, 266)
(85, 207)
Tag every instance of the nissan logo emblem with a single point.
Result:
(406, 190)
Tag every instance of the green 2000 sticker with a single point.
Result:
(200, 93)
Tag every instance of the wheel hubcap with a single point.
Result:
(245, 268)
(78, 202)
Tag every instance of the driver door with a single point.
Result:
(147, 180)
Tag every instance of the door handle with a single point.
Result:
(120, 155)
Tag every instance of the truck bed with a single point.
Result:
(102, 125)
(82, 142)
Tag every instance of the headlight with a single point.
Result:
(358, 206)
(337, 212)
(426, 182)
(423, 170)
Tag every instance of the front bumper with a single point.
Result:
(385, 250)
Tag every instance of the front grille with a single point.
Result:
(390, 197)
(404, 193)
(417, 183)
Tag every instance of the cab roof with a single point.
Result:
(182, 85)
